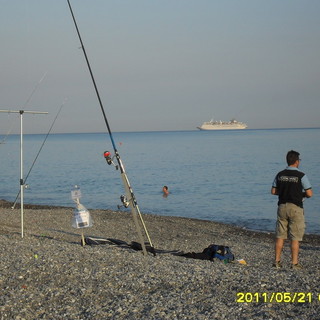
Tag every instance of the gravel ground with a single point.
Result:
(49, 275)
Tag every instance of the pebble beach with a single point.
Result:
(47, 274)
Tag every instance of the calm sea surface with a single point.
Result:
(222, 175)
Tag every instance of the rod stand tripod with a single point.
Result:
(129, 200)
(22, 181)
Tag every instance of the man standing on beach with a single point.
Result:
(291, 186)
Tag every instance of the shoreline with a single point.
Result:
(8, 205)
(49, 275)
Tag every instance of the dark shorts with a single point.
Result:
(290, 222)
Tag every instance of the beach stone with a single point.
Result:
(68, 281)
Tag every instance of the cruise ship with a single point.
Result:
(222, 125)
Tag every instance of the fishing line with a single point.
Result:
(25, 104)
(34, 161)
(7, 134)
(35, 89)
(130, 195)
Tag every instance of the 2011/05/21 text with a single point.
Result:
(279, 297)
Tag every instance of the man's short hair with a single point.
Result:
(292, 157)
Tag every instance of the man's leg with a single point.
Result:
(278, 248)
(294, 251)
(281, 230)
(296, 231)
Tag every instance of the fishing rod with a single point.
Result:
(34, 161)
(130, 197)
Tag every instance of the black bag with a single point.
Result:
(220, 252)
(211, 252)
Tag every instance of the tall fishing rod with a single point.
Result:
(35, 159)
(132, 202)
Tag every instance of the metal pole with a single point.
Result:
(21, 171)
(34, 161)
(21, 160)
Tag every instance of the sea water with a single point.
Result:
(222, 176)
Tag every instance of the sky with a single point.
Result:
(159, 65)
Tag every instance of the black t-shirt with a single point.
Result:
(289, 187)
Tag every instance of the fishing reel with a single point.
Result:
(125, 202)
(109, 159)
